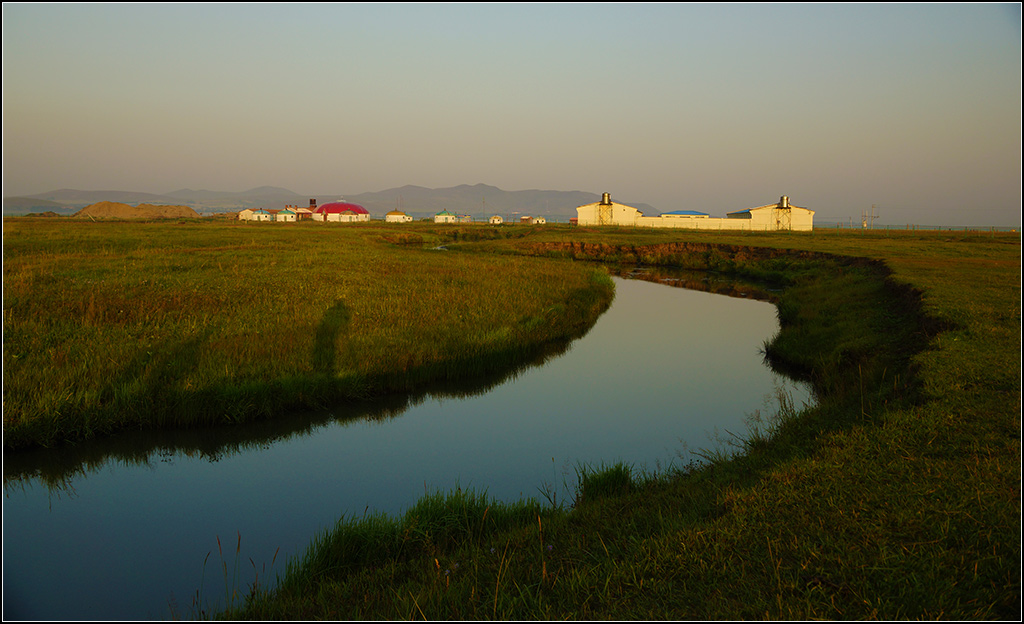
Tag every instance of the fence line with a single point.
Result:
(914, 226)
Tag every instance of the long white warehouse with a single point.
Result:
(780, 216)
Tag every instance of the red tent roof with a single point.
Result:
(337, 207)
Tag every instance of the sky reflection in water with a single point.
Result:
(661, 371)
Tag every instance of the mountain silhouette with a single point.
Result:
(477, 200)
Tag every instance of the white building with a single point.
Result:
(445, 217)
(340, 212)
(285, 215)
(397, 216)
(607, 212)
(770, 217)
(496, 220)
(780, 216)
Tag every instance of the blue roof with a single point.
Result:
(686, 212)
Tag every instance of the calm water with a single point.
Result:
(120, 529)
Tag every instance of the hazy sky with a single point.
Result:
(914, 108)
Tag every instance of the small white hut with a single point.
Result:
(397, 216)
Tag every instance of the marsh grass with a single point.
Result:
(112, 326)
(603, 481)
(895, 496)
(233, 598)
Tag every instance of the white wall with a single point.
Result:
(763, 218)
(621, 214)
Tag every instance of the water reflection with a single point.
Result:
(703, 281)
(58, 469)
(123, 528)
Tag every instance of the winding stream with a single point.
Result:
(147, 526)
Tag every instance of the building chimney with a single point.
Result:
(784, 202)
(312, 204)
(606, 199)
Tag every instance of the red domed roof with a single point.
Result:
(339, 206)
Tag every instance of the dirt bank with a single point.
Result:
(116, 210)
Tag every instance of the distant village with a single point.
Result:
(347, 212)
(781, 215)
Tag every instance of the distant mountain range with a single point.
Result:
(478, 200)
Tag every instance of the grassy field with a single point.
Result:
(117, 325)
(896, 497)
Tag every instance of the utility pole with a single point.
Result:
(868, 220)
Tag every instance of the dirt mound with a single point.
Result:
(116, 210)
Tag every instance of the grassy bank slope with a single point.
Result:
(897, 497)
(121, 325)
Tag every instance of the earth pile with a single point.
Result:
(117, 210)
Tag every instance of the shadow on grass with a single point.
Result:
(336, 320)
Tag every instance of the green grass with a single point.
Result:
(897, 496)
(114, 325)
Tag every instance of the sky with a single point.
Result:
(910, 110)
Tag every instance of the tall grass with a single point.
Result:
(109, 326)
(896, 496)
